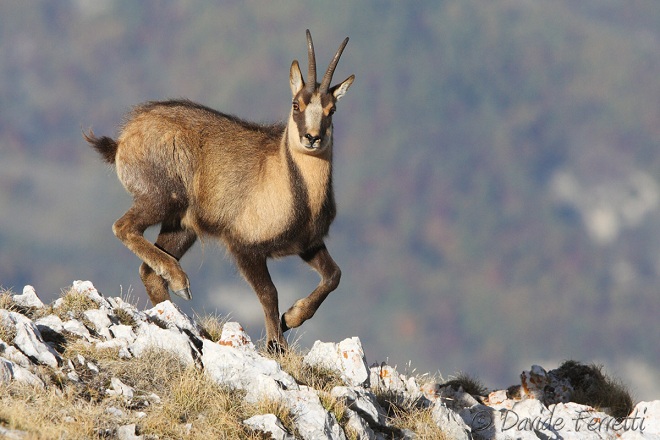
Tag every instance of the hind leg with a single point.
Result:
(130, 230)
(175, 241)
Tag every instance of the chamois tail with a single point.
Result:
(106, 146)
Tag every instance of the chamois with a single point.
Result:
(263, 190)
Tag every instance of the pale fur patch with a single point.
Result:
(268, 207)
(314, 169)
(313, 115)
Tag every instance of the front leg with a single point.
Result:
(319, 258)
(255, 271)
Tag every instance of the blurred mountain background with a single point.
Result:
(497, 167)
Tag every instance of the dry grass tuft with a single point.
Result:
(124, 317)
(7, 332)
(74, 304)
(6, 302)
(417, 419)
(469, 383)
(595, 388)
(191, 406)
(211, 325)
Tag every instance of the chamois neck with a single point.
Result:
(315, 170)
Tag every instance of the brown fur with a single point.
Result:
(264, 190)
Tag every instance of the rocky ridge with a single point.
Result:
(538, 407)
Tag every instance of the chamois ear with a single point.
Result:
(295, 78)
(340, 89)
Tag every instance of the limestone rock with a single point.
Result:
(78, 328)
(100, 320)
(10, 353)
(150, 336)
(345, 358)
(119, 388)
(127, 432)
(28, 339)
(364, 403)
(87, 288)
(13, 434)
(245, 370)
(233, 335)
(452, 424)
(11, 371)
(168, 314)
(358, 426)
(642, 423)
(313, 422)
(269, 424)
(536, 381)
(29, 298)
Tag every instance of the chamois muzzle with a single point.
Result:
(314, 141)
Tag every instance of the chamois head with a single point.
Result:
(314, 103)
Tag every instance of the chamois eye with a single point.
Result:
(332, 111)
(296, 106)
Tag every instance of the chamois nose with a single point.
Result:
(312, 139)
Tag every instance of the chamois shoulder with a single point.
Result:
(184, 108)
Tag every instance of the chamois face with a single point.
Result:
(314, 104)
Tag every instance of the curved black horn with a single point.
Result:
(311, 69)
(325, 84)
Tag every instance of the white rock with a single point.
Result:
(121, 344)
(451, 423)
(270, 424)
(536, 381)
(456, 399)
(119, 388)
(245, 370)
(52, 322)
(385, 378)
(10, 371)
(127, 432)
(121, 331)
(10, 352)
(28, 339)
(100, 320)
(530, 419)
(642, 423)
(345, 358)
(312, 421)
(93, 368)
(13, 434)
(130, 309)
(29, 298)
(87, 288)
(169, 314)
(115, 411)
(234, 335)
(358, 427)
(150, 336)
(78, 328)
(363, 402)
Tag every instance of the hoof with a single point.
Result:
(184, 293)
(275, 347)
(283, 324)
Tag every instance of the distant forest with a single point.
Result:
(497, 167)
